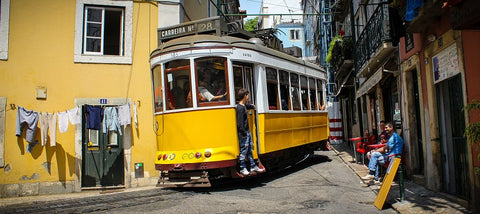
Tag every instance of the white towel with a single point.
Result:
(62, 122)
(124, 117)
(74, 115)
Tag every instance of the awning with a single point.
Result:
(344, 84)
(372, 81)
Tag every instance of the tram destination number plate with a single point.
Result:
(187, 29)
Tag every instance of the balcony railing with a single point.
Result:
(375, 33)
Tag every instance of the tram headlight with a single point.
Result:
(198, 155)
(208, 154)
(165, 157)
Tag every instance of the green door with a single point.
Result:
(102, 158)
(454, 145)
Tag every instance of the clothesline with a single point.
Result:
(111, 121)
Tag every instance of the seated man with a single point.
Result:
(382, 155)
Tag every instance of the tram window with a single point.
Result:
(321, 105)
(237, 78)
(313, 96)
(212, 87)
(284, 95)
(177, 84)
(272, 89)
(157, 85)
(304, 92)
(295, 91)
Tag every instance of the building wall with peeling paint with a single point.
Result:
(40, 53)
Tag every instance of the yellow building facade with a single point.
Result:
(57, 55)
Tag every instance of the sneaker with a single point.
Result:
(368, 177)
(256, 169)
(244, 172)
(377, 182)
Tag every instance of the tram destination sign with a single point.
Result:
(186, 29)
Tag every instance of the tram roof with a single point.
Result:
(202, 41)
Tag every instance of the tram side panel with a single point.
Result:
(279, 131)
(187, 133)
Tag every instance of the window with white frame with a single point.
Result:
(103, 31)
(4, 28)
(294, 34)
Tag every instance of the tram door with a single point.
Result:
(243, 78)
(102, 157)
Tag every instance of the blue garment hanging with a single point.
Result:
(94, 117)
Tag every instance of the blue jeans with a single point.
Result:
(246, 147)
(376, 159)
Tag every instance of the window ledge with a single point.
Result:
(102, 59)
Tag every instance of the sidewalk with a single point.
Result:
(417, 198)
(68, 196)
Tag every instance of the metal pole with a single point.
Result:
(400, 182)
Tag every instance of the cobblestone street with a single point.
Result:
(322, 183)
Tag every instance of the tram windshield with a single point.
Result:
(212, 87)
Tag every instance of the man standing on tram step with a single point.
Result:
(384, 154)
(244, 135)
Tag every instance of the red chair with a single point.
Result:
(363, 148)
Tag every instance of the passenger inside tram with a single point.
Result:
(205, 94)
(209, 81)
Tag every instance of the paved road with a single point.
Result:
(321, 184)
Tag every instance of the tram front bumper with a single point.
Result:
(184, 179)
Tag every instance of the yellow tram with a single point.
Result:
(196, 132)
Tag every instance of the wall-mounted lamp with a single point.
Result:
(431, 37)
(392, 72)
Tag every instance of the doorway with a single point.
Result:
(451, 120)
(243, 78)
(102, 157)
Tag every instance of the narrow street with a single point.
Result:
(321, 184)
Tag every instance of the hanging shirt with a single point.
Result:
(62, 122)
(124, 117)
(31, 119)
(94, 117)
(74, 116)
(110, 120)
(135, 115)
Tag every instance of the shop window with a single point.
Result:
(272, 89)
(157, 87)
(177, 84)
(212, 87)
(304, 92)
(294, 89)
(284, 91)
(320, 103)
(103, 32)
(312, 94)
